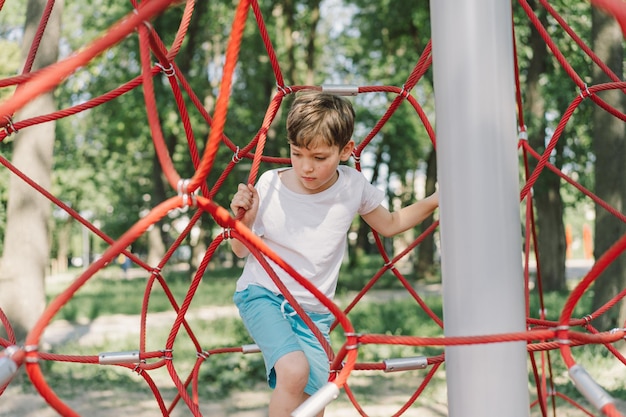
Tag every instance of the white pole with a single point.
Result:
(483, 286)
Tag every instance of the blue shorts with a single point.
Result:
(277, 329)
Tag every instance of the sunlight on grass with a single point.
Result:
(112, 294)
(391, 312)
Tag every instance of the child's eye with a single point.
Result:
(320, 158)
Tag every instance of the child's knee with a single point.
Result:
(292, 371)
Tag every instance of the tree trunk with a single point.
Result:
(156, 236)
(610, 149)
(547, 197)
(26, 245)
(311, 49)
(63, 244)
(288, 24)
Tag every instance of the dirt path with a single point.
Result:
(384, 400)
(21, 399)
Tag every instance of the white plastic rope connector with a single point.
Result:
(522, 135)
(341, 90)
(8, 367)
(317, 402)
(112, 358)
(252, 348)
(589, 388)
(405, 364)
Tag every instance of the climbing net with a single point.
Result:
(196, 194)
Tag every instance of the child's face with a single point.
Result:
(316, 168)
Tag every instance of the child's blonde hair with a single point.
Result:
(319, 117)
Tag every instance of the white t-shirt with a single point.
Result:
(308, 231)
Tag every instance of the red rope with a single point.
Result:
(616, 8)
(219, 120)
(48, 78)
(543, 335)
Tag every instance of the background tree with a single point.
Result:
(11, 31)
(116, 146)
(26, 248)
(381, 45)
(609, 147)
(546, 195)
(105, 167)
(547, 91)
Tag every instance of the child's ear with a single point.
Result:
(346, 152)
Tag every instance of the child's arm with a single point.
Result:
(246, 198)
(391, 223)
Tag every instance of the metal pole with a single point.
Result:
(483, 286)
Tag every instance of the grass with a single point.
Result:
(223, 374)
(112, 294)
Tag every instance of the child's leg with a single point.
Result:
(292, 375)
(294, 359)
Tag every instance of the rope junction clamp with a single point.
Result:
(390, 265)
(252, 348)
(559, 340)
(405, 364)
(138, 369)
(354, 346)
(404, 93)
(284, 89)
(523, 134)
(189, 199)
(8, 367)
(29, 349)
(203, 355)
(593, 392)
(585, 92)
(317, 402)
(236, 158)
(145, 22)
(9, 127)
(341, 90)
(167, 354)
(112, 358)
(169, 71)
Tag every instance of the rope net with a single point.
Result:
(196, 194)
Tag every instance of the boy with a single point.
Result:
(303, 213)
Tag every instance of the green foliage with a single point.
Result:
(11, 56)
(558, 90)
(220, 377)
(354, 279)
(220, 373)
(399, 316)
(94, 299)
(12, 19)
(553, 303)
(384, 312)
(105, 162)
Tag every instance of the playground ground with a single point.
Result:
(18, 401)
